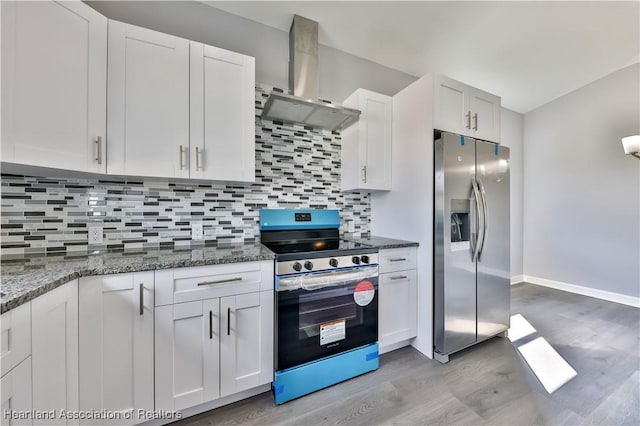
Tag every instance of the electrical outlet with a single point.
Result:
(197, 231)
(95, 235)
(351, 226)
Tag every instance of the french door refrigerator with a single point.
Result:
(471, 242)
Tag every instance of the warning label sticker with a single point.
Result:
(332, 332)
(364, 292)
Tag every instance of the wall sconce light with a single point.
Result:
(631, 145)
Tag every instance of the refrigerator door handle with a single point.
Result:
(479, 220)
(485, 217)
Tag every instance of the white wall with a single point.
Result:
(512, 135)
(581, 193)
(339, 73)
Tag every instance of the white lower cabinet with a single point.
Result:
(16, 337)
(217, 346)
(116, 346)
(246, 345)
(16, 365)
(54, 352)
(187, 354)
(397, 321)
(15, 393)
(213, 348)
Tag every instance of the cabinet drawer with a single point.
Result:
(205, 282)
(398, 259)
(16, 337)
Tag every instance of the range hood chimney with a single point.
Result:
(303, 107)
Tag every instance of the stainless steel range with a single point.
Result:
(327, 301)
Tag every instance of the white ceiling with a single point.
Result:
(527, 52)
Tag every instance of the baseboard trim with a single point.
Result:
(517, 279)
(585, 291)
(394, 346)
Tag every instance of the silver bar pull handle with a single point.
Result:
(210, 324)
(479, 221)
(485, 217)
(398, 277)
(181, 155)
(229, 280)
(397, 259)
(198, 152)
(475, 120)
(228, 321)
(468, 115)
(99, 149)
(364, 174)
(141, 299)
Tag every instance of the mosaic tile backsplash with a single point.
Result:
(296, 167)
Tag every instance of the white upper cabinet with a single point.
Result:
(161, 106)
(465, 110)
(366, 145)
(451, 102)
(222, 123)
(54, 63)
(485, 119)
(148, 103)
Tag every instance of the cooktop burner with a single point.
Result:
(282, 247)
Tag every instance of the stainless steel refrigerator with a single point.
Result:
(471, 242)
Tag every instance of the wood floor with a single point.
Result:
(486, 384)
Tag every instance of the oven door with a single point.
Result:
(325, 313)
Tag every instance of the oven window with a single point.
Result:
(328, 307)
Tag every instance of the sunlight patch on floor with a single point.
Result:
(547, 364)
(520, 328)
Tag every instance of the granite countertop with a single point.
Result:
(383, 242)
(26, 278)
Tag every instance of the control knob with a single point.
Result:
(297, 267)
(308, 265)
(355, 260)
(365, 259)
(333, 262)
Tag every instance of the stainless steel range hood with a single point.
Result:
(303, 107)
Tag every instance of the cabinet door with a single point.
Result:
(116, 344)
(148, 103)
(54, 351)
(398, 294)
(222, 114)
(375, 147)
(187, 350)
(366, 146)
(246, 344)
(16, 336)
(451, 106)
(16, 393)
(54, 61)
(485, 115)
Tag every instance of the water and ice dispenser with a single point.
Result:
(460, 224)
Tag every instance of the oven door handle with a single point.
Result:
(317, 281)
